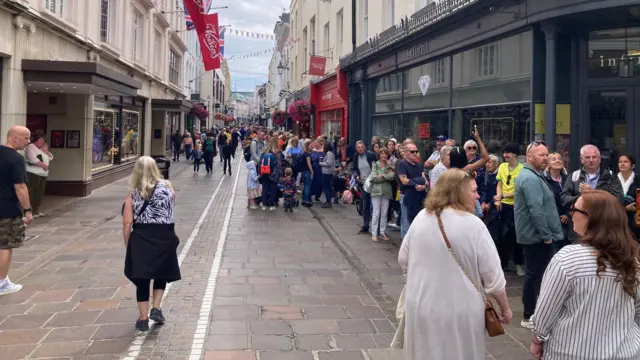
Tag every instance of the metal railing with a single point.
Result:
(407, 27)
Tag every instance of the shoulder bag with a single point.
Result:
(144, 205)
(491, 319)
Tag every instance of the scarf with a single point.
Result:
(626, 184)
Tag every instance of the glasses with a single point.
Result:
(536, 143)
(574, 209)
(509, 179)
(414, 151)
(472, 148)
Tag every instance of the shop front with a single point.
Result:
(169, 116)
(330, 108)
(484, 68)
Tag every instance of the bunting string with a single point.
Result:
(289, 43)
(249, 73)
(249, 34)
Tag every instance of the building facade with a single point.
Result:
(194, 80)
(279, 82)
(102, 79)
(566, 75)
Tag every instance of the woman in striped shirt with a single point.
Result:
(589, 304)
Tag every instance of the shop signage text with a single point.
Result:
(424, 131)
(327, 94)
(414, 52)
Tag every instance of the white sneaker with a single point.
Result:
(7, 287)
(527, 324)
(264, 208)
(273, 208)
(253, 207)
(520, 270)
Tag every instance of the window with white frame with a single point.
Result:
(327, 39)
(105, 11)
(157, 50)
(55, 6)
(487, 60)
(312, 25)
(391, 12)
(305, 48)
(339, 31)
(138, 32)
(440, 67)
(174, 67)
(365, 20)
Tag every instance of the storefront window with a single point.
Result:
(130, 146)
(614, 53)
(331, 122)
(424, 127)
(173, 124)
(492, 90)
(436, 74)
(387, 111)
(104, 152)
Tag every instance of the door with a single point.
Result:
(611, 119)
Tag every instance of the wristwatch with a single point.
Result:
(25, 211)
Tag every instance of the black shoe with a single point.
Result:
(363, 231)
(156, 315)
(326, 206)
(229, 173)
(142, 325)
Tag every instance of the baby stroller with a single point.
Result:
(356, 189)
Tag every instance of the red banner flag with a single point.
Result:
(317, 65)
(210, 42)
(197, 12)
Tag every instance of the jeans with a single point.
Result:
(316, 184)
(208, 161)
(366, 210)
(536, 259)
(269, 191)
(176, 152)
(196, 165)
(306, 192)
(404, 221)
(327, 185)
(508, 245)
(187, 151)
(379, 218)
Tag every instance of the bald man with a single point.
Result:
(15, 209)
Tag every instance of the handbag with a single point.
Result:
(265, 169)
(491, 319)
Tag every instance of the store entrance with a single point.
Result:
(611, 117)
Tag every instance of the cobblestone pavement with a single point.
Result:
(257, 285)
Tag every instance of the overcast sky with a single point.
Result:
(258, 16)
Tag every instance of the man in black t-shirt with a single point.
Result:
(15, 209)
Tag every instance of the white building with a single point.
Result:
(278, 84)
(193, 79)
(104, 80)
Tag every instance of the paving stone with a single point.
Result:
(315, 327)
(51, 296)
(350, 342)
(108, 347)
(365, 312)
(341, 355)
(281, 313)
(270, 327)
(325, 312)
(344, 290)
(29, 321)
(227, 342)
(286, 355)
(386, 354)
(51, 308)
(74, 318)
(98, 304)
(75, 333)
(118, 316)
(221, 327)
(271, 342)
(114, 331)
(313, 342)
(356, 327)
(17, 352)
(60, 349)
(18, 337)
(15, 309)
(236, 313)
(384, 326)
(230, 355)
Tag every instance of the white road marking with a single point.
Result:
(197, 346)
(134, 349)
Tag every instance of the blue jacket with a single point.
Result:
(252, 176)
(489, 191)
(371, 158)
(535, 211)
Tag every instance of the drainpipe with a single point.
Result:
(550, 97)
(353, 24)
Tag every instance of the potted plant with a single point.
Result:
(300, 111)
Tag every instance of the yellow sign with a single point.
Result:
(563, 119)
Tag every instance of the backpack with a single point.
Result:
(246, 151)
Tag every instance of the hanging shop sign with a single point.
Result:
(424, 131)
(209, 43)
(424, 82)
(317, 65)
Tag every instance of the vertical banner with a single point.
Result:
(210, 42)
(196, 11)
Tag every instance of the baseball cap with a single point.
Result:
(441, 138)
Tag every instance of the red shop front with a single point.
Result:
(330, 102)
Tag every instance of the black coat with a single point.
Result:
(630, 198)
(557, 193)
(152, 253)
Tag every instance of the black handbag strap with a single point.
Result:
(146, 203)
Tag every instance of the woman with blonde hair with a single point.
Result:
(589, 303)
(451, 264)
(150, 238)
(556, 175)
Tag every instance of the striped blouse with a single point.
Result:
(582, 316)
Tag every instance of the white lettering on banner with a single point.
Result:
(211, 41)
(318, 66)
(327, 96)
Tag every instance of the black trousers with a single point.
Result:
(536, 259)
(366, 210)
(208, 161)
(508, 243)
(226, 158)
(142, 288)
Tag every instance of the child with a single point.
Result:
(339, 183)
(289, 190)
(253, 187)
(197, 156)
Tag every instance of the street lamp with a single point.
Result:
(281, 67)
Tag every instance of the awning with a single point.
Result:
(179, 105)
(76, 77)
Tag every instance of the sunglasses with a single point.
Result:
(414, 151)
(472, 148)
(509, 179)
(536, 143)
(574, 209)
